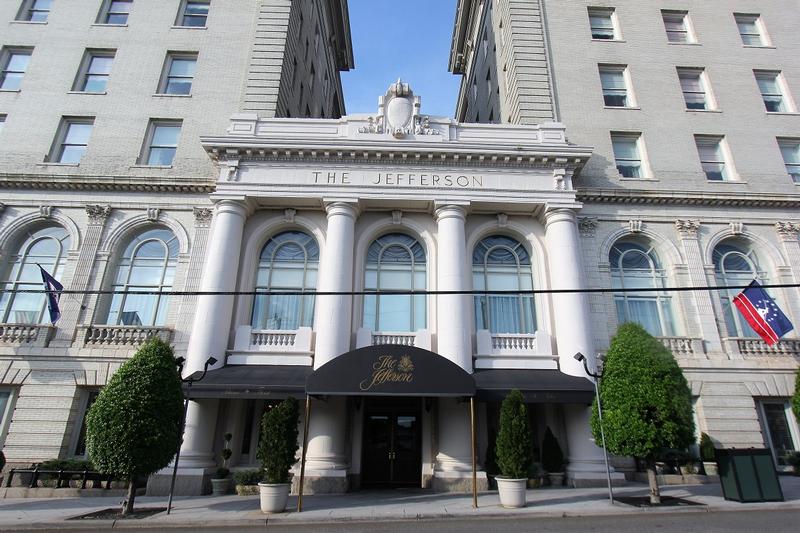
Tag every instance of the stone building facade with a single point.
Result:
(690, 111)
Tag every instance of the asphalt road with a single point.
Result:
(773, 521)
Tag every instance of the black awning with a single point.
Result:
(390, 370)
(537, 386)
(252, 381)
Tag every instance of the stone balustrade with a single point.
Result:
(102, 335)
(683, 346)
(367, 337)
(759, 348)
(272, 347)
(37, 335)
(514, 350)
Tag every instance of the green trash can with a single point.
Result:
(748, 475)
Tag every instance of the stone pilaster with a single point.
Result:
(72, 304)
(704, 323)
(788, 233)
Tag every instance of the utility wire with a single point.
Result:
(406, 292)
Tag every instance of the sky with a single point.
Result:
(409, 39)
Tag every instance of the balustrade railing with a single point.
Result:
(682, 346)
(34, 334)
(514, 342)
(272, 339)
(403, 339)
(759, 348)
(100, 335)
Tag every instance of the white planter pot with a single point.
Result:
(710, 468)
(511, 491)
(273, 497)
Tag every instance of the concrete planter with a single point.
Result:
(511, 492)
(220, 487)
(556, 479)
(273, 497)
(710, 467)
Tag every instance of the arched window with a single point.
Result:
(395, 262)
(502, 263)
(735, 265)
(635, 266)
(146, 265)
(289, 262)
(46, 246)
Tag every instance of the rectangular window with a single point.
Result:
(15, 62)
(603, 24)
(2, 122)
(627, 155)
(751, 29)
(712, 157)
(311, 78)
(94, 72)
(193, 13)
(115, 12)
(34, 10)
(161, 142)
(790, 150)
(613, 79)
(178, 74)
(72, 139)
(772, 91)
(6, 408)
(695, 88)
(678, 27)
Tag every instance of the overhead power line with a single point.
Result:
(312, 292)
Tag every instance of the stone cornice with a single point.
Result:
(107, 183)
(698, 198)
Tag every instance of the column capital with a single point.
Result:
(98, 214)
(560, 214)
(788, 231)
(203, 216)
(450, 210)
(235, 207)
(687, 228)
(342, 208)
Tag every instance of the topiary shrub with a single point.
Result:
(647, 404)
(134, 427)
(707, 449)
(552, 456)
(277, 447)
(513, 447)
(248, 477)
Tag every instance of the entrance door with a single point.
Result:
(391, 447)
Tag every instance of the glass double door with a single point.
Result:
(391, 446)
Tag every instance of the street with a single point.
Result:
(773, 520)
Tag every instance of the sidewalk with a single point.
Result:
(398, 504)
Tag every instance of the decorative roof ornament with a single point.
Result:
(398, 114)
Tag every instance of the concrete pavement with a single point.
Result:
(397, 504)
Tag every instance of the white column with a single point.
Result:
(453, 310)
(212, 326)
(326, 463)
(453, 469)
(573, 334)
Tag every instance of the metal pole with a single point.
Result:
(603, 437)
(178, 455)
(474, 466)
(303, 456)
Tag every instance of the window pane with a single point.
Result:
(78, 133)
(161, 156)
(779, 433)
(95, 84)
(72, 154)
(625, 149)
(166, 135)
(182, 67)
(100, 65)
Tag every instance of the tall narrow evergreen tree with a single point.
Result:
(513, 445)
(133, 429)
(647, 404)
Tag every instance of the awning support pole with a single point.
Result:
(303, 456)
(474, 465)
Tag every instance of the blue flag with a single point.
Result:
(53, 288)
(762, 313)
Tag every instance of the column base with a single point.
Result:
(457, 481)
(188, 482)
(322, 482)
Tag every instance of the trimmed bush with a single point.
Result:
(133, 429)
(277, 447)
(647, 404)
(513, 447)
(552, 456)
(707, 449)
(248, 477)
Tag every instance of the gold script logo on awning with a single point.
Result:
(388, 369)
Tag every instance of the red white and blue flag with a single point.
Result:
(762, 313)
(53, 288)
